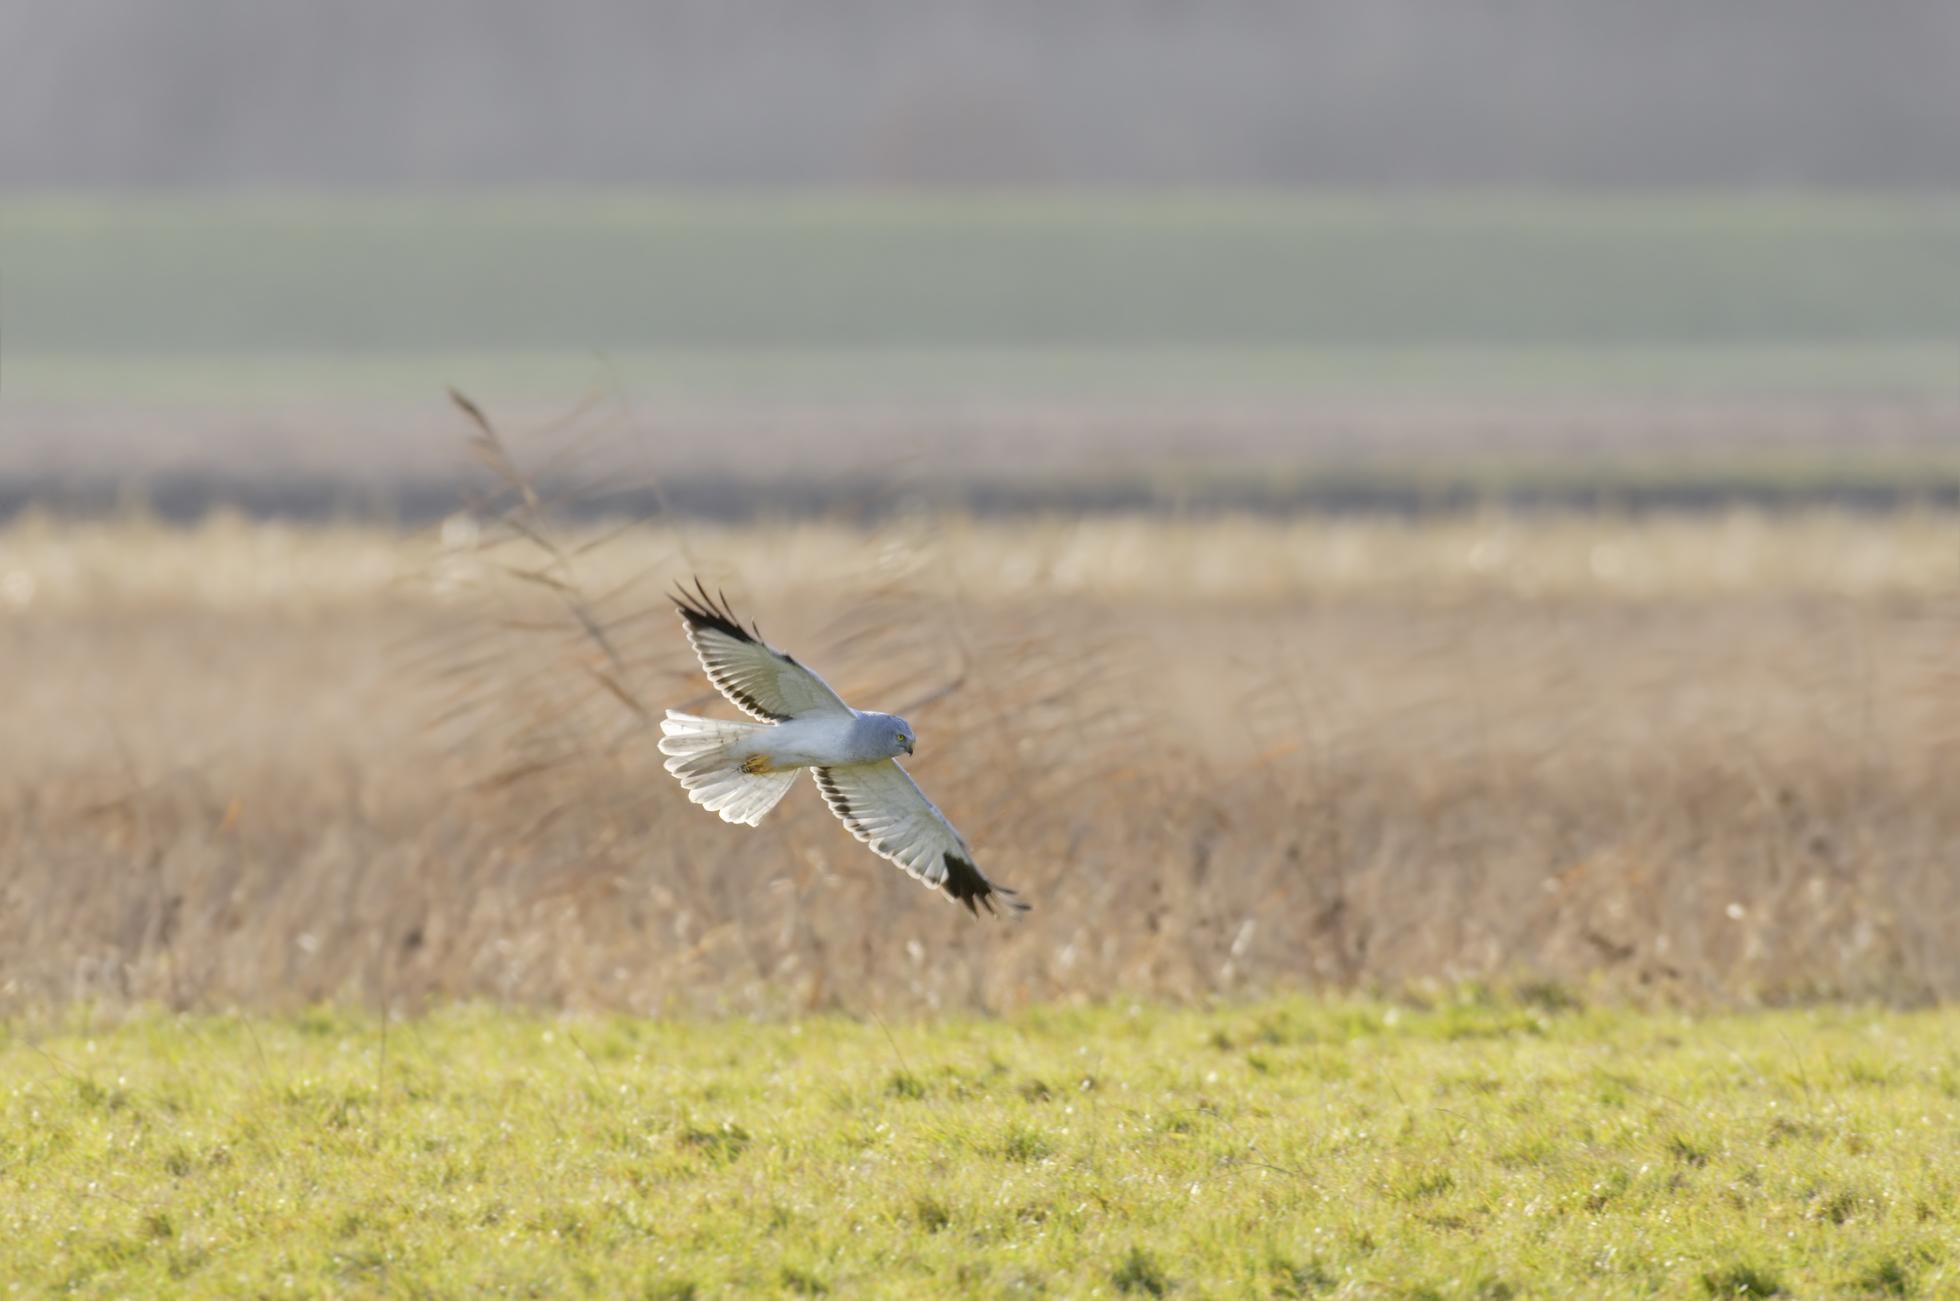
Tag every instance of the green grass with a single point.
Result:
(1479, 1148)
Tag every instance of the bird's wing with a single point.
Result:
(882, 806)
(765, 683)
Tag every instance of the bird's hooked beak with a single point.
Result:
(908, 745)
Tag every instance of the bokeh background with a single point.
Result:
(1353, 493)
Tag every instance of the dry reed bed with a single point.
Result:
(1693, 757)
(230, 561)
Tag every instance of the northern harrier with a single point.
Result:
(741, 770)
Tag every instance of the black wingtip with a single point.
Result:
(698, 609)
(965, 884)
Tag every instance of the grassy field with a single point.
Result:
(352, 939)
(1469, 1147)
(1492, 905)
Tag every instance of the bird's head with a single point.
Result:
(898, 733)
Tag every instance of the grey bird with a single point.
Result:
(742, 770)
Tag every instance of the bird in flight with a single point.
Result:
(741, 770)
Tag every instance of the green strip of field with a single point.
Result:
(579, 272)
(1479, 1148)
(792, 300)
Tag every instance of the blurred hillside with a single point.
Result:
(979, 92)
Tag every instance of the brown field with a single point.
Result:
(1698, 758)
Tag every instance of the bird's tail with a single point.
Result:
(720, 766)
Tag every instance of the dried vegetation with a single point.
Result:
(1671, 757)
